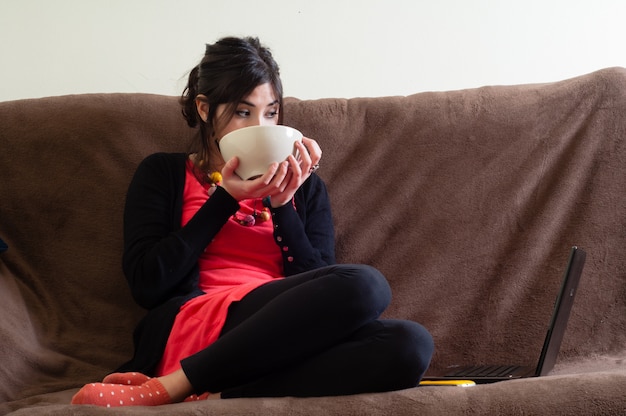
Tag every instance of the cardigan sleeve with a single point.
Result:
(160, 256)
(304, 230)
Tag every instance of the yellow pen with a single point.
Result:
(457, 383)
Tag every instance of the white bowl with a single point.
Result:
(257, 147)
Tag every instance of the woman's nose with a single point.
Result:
(260, 120)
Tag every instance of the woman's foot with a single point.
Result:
(150, 393)
(130, 379)
(113, 385)
(203, 396)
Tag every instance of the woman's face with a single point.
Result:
(257, 109)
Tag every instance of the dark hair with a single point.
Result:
(229, 71)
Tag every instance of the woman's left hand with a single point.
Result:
(309, 156)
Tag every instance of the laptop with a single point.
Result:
(481, 374)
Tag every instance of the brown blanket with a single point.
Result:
(468, 201)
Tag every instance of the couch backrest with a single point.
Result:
(468, 201)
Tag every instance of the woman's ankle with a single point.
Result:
(177, 385)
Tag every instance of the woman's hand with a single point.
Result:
(260, 187)
(309, 156)
(280, 182)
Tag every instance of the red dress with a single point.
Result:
(239, 259)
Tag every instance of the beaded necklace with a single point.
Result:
(247, 220)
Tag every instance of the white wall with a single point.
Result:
(326, 48)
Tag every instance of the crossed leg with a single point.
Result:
(313, 334)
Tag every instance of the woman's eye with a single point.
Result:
(272, 114)
(242, 113)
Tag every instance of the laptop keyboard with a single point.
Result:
(485, 371)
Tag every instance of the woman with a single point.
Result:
(239, 277)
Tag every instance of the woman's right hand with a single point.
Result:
(274, 180)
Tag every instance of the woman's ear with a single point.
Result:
(202, 105)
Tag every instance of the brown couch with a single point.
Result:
(467, 200)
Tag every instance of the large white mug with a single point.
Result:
(257, 147)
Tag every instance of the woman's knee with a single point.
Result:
(366, 285)
(413, 347)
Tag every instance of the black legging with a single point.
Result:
(313, 334)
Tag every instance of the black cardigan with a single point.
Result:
(160, 256)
